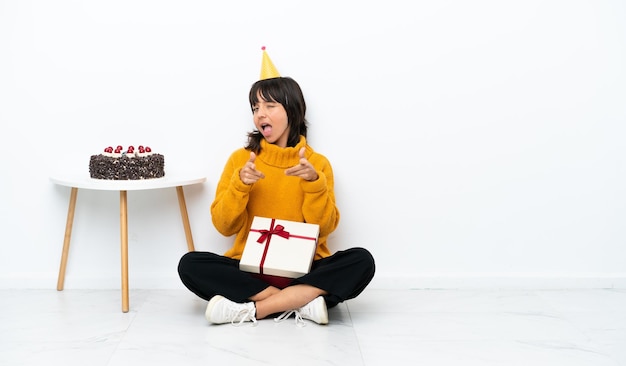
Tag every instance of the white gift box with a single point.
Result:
(279, 247)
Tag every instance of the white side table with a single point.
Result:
(84, 181)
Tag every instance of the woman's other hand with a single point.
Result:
(303, 170)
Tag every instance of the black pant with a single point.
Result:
(343, 275)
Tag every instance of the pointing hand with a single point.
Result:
(303, 170)
(248, 174)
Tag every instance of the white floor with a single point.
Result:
(416, 327)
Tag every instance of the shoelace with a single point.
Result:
(245, 315)
(285, 315)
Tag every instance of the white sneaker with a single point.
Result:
(315, 311)
(220, 310)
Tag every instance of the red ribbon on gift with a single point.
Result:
(266, 235)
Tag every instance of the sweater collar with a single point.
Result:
(282, 157)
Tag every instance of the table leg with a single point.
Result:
(66, 240)
(185, 216)
(124, 247)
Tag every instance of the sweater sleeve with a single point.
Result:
(319, 200)
(228, 210)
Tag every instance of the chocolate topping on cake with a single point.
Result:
(127, 168)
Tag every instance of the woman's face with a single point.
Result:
(270, 118)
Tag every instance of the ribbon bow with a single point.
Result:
(278, 230)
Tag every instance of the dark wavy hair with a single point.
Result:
(286, 91)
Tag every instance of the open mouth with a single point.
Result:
(266, 129)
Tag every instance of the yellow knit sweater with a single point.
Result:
(276, 196)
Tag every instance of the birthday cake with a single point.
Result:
(127, 165)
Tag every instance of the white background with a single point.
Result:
(474, 143)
